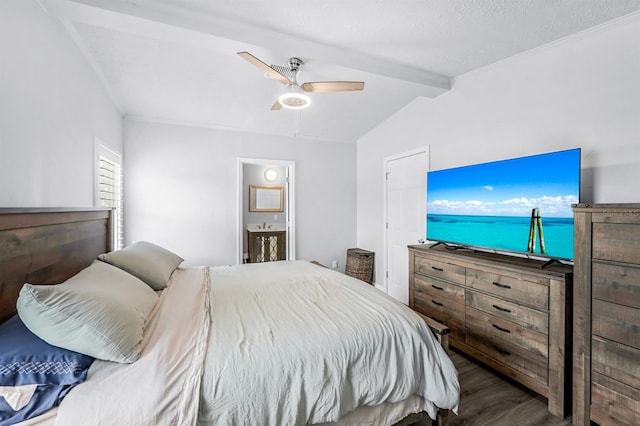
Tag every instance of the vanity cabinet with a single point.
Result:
(267, 245)
(607, 314)
(508, 312)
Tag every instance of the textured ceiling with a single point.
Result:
(174, 60)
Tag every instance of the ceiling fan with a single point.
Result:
(295, 96)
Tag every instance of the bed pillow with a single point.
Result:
(101, 312)
(34, 376)
(149, 262)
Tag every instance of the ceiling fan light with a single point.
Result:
(294, 98)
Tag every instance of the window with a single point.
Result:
(109, 188)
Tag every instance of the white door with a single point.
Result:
(405, 216)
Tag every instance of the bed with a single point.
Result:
(235, 316)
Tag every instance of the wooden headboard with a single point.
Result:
(47, 246)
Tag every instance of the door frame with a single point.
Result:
(385, 242)
(289, 191)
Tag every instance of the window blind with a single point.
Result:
(110, 194)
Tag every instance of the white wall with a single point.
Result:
(51, 107)
(181, 190)
(253, 174)
(580, 92)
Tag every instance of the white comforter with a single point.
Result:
(290, 343)
(294, 343)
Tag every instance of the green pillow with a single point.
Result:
(101, 312)
(149, 262)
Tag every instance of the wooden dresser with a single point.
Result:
(505, 311)
(606, 378)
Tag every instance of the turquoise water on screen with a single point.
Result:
(502, 233)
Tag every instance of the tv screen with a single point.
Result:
(520, 205)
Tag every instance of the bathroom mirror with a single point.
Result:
(266, 198)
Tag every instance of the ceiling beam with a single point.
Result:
(225, 36)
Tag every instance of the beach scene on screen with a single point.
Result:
(490, 205)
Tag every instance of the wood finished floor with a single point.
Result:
(487, 399)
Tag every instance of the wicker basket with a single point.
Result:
(360, 264)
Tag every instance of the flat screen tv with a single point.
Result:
(520, 205)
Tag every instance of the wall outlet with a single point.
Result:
(334, 264)
(275, 217)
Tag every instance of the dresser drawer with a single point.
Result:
(530, 363)
(527, 338)
(616, 283)
(619, 362)
(612, 402)
(444, 309)
(438, 288)
(525, 316)
(442, 270)
(616, 241)
(529, 289)
(616, 322)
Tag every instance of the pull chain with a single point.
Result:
(296, 122)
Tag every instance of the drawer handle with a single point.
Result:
(501, 351)
(497, 327)
(502, 309)
(436, 303)
(437, 269)
(437, 287)
(501, 285)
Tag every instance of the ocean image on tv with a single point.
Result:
(512, 205)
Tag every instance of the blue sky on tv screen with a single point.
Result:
(512, 187)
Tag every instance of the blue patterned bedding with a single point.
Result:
(34, 375)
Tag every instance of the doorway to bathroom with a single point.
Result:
(266, 219)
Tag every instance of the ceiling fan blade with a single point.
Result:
(264, 67)
(276, 106)
(332, 86)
